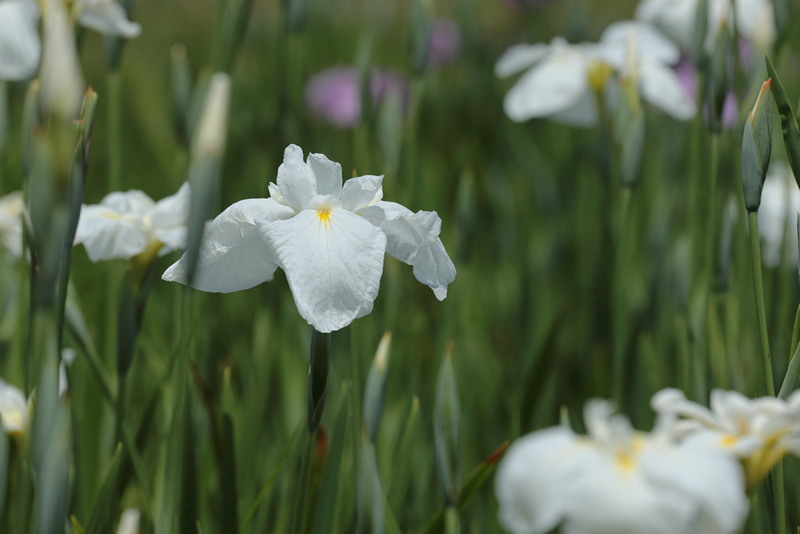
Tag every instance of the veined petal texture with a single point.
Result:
(233, 256)
(20, 47)
(296, 180)
(106, 17)
(333, 261)
(361, 192)
(107, 235)
(413, 238)
(328, 174)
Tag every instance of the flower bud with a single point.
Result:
(756, 147)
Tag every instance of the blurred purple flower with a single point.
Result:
(730, 111)
(688, 76)
(445, 43)
(730, 108)
(333, 94)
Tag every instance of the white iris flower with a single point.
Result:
(777, 216)
(329, 239)
(14, 410)
(20, 46)
(758, 431)
(617, 480)
(754, 19)
(125, 225)
(565, 81)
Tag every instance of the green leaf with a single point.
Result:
(792, 377)
(4, 447)
(791, 134)
(230, 518)
(106, 505)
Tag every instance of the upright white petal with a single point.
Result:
(675, 17)
(532, 478)
(333, 261)
(553, 85)
(107, 17)
(296, 180)
(328, 174)
(661, 87)
(134, 203)
(62, 82)
(233, 256)
(650, 43)
(20, 46)
(413, 238)
(107, 235)
(361, 192)
(172, 210)
(519, 57)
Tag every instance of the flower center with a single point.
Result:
(324, 216)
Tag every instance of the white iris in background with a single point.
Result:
(564, 82)
(20, 46)
(11, 207)
(617, 480)
(777, 216)
(757, 431)
(328, 238)
(754, 19)
(14, 410)
(125, 225)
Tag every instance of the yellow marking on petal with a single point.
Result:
(625, 462)
(324, 217)
(112, 216)
(729, 441)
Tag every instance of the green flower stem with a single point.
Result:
(766, 359)
(712, 222)
(618, 370)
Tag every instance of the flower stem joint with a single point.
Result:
(757, 147)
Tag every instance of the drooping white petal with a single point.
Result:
(107, 17)
(581, 114)
(361, 192)
(413, 238)
(519, 57)
(20, 47)
(661, 87)
(107, 235)
(233, 256)
(173, 210)
(133, 202)
(173, 238)
(296, 181)
(14, 410)
(532, 477)
(649, 42)
(327, 173)
(333, 261)
(553, 85)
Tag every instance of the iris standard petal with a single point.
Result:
(650, 43)
(661, 87)
(333, 261)
(20, 47)
(133, 202)
(531, 480)
(361, 192)
(107, 235)
(172, 210)
(296, 181)
(554, 85)
(233, 256)
(413, 238)
(107, 17)
(520, 57)
(327, 173)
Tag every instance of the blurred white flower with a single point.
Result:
(329, 239)
(564, 81)
(11, 208)
(617, 480)
(20, 46)
(757, 431)
(754, 19)
(780, 203)
(67, 357)
(129, 522)
(14, 410)
(125, 225)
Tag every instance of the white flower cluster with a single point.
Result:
(689, 475)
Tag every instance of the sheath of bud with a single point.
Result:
(757, 147)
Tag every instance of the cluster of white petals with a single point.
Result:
(565, 82)
(617, 479)
(329, 239)
(758, 431)
(754, 20)
(777, 216)
(20, 46)
(11, 208)
(14, 410)
(127, 224)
